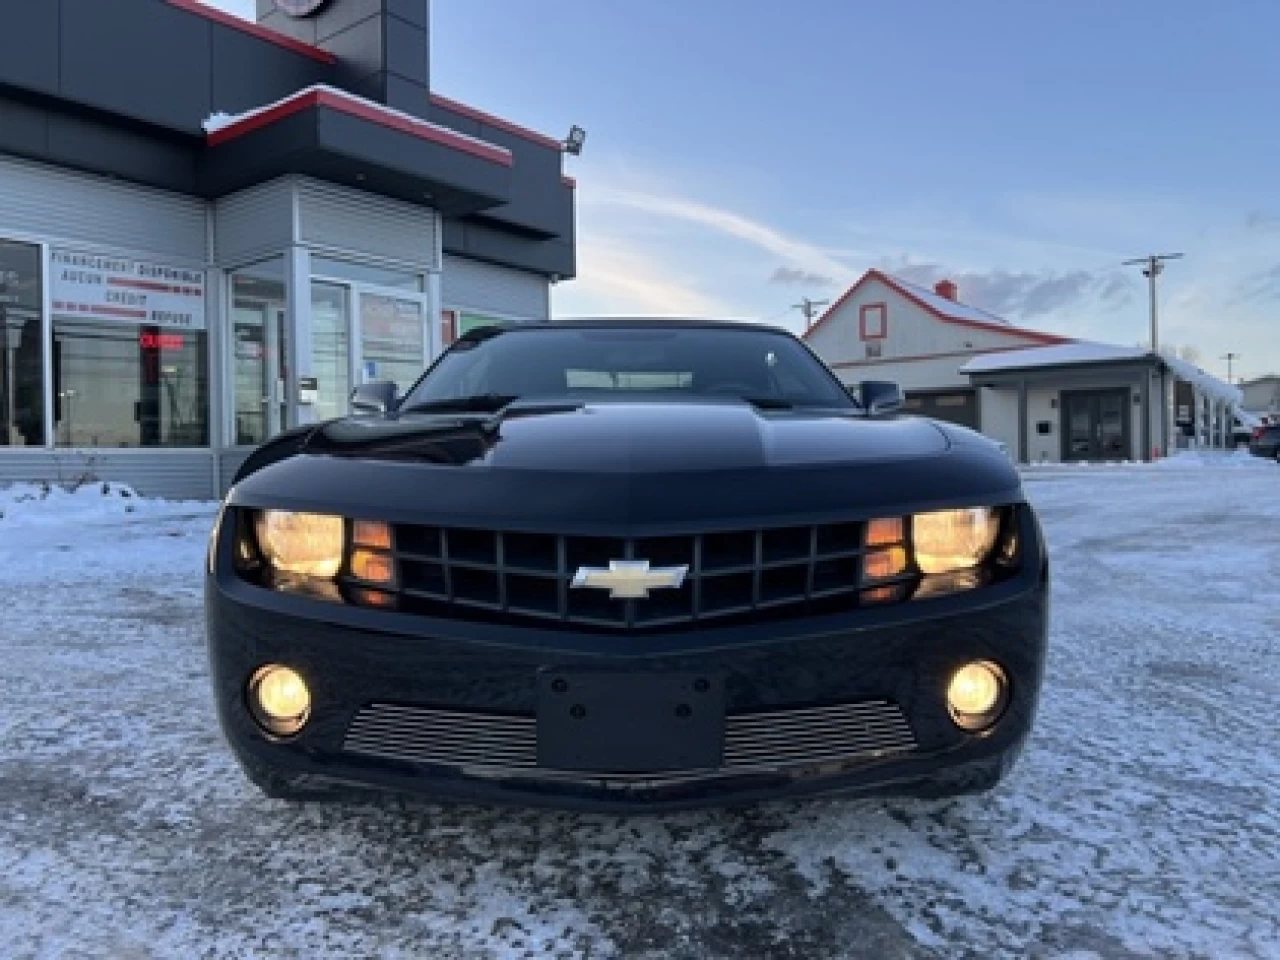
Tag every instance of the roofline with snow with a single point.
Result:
(873, 274)
(362, 121)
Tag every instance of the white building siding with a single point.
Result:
(93, 213)
(1262, 395)
(924, 374)
(910, 331)
(339, 220)
(470, 285)
(254, 223)
(172, 474)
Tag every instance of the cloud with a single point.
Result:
(615, 278)
(794, 277)
(1262, 221)
(1023, 294)
(1258, 287)
(801, 254)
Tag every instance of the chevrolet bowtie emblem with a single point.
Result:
(630, 579)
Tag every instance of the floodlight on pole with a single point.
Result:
(574, 141)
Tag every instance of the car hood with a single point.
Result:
(630, 466)
(642, 438)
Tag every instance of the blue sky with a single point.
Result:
(742, 154)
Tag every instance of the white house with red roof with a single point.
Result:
(1046, 397)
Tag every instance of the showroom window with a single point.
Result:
(130, 353)
(21, 346)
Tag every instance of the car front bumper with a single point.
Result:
(845, 705)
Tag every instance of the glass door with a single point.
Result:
(1096, 425)
(395, 340)
(260, 412)
(331, 349)
(259, 331)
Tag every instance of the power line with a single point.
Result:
(809, 308)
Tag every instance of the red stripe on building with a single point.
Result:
(254, 30)
(146, 285)
(126, 312)
(844, 364)
(116, 311)
(364, 111)
(489, 120)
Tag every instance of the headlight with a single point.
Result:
(308, 544)
(949, 540)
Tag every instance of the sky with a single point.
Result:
(744, 154)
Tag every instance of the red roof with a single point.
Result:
(930, 306)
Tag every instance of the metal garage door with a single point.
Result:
(956, 406)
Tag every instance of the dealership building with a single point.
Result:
(211, 230)
(1046, 397)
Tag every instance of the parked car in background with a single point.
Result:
(1243, 426)
(1265, 441)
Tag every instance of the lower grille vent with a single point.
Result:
(502, 743)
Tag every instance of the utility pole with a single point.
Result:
(809, 308)
(1153, 266)
(1229, 357)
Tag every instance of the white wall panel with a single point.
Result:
(87, 212)
(471, 284)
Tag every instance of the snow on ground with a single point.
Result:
(1143, 819)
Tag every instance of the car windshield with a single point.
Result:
(762, 366)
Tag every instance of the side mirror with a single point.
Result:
(376, 397)
(880, 396)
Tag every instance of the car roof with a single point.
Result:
(628, 322)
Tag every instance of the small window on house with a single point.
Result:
(912, 403)
(873, 350)
(873, 321)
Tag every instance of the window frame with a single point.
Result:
(864, 312)
(213, 294)
(46, 338)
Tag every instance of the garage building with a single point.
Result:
(1046, 397)
(211, 230)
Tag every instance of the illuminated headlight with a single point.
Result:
(305, 544)
(950, 540)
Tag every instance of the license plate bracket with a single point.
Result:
(629, 722)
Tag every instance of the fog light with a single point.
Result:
(279, 699)
(977, 695)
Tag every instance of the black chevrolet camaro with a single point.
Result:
(627, 564)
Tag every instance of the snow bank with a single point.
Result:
(37, 504)
(1182, 460)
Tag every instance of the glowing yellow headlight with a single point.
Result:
(949, 540)
(308, 544)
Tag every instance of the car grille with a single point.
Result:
(497, 744)
(786, 571)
